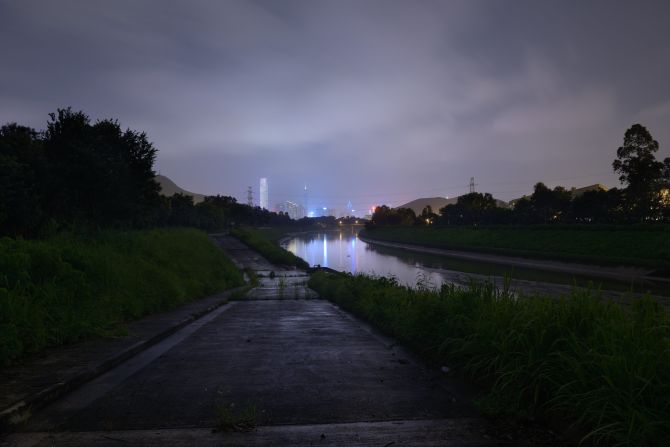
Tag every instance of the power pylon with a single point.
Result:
(472, 185)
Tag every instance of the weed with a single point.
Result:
(241, 294)
(260, 241)
(253, 277)
(69, 287)
(603, 367)
(282, 286)
(230, 420)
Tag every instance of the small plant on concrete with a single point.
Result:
(253, 277)
(282, 286)
(239, 294)
(229, 420)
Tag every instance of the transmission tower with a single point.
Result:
(250, 197)
(472, 185)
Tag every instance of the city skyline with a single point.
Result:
(362, 106)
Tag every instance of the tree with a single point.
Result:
(472, 209)
(639, 170)
(427, 216)
(22, 167)
(666, 173)
(597, 206)
(102, 174)
(385, 215)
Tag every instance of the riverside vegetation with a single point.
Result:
(604, 368)
(641, 245)
(265, 243)
(70, 287)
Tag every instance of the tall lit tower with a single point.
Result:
(264, 193)
(305, 201)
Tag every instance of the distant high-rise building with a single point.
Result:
(294, 210)
(305, 205)
(264, 193)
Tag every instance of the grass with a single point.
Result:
(231, 420)
(264, 241)
(68, 288)
(605, 245)
(603, 368)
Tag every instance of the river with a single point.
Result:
(344, 251)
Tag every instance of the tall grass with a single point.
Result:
(71, 287)
(648, 247)
(603, 368)
(262, 241)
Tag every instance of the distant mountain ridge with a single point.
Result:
(437, 203)
(170, 188)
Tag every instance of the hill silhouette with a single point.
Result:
(170, 188)
(437, 203)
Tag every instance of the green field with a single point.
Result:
(72, 287)
(602, 369)
(265, 241)
(635, 246)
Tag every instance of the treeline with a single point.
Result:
(77, 174)
(217, 212)
(644, 199)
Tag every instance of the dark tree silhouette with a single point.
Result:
(22, 166)
(385, 215)
(101, 174)
(639, 170)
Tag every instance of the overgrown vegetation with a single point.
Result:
(647, 246)
(71, 287)
(604, 368)
(230, 419)
(260, 241)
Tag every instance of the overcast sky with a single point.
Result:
(369, 101)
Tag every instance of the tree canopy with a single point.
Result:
(639, 170)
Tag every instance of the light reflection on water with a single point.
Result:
(343, 251)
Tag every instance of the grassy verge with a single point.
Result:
(627, 246)
(604, 369)
(264, 241)
(71, 287)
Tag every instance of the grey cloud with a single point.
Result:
(398, 98)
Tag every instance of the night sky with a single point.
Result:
(369, 101)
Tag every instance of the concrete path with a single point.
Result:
(306, 372)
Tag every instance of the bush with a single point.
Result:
(68, 288)
(260, 241)
(598, 365)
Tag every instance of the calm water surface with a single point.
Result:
(343, 251)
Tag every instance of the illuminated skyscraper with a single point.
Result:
(264, 193)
